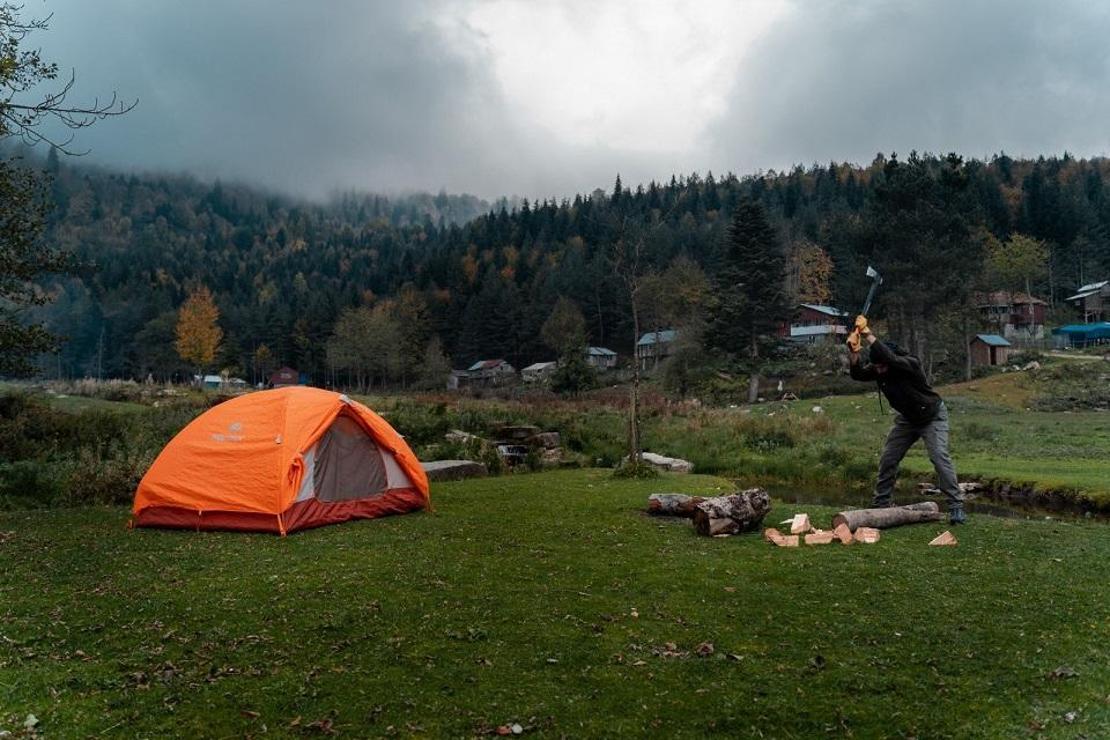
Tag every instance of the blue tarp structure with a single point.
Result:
(1083, 335)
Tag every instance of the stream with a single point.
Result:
(973, 503)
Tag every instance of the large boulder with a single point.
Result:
(671, 464)
(441, 470)
(740, 512)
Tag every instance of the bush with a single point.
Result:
(635, 469)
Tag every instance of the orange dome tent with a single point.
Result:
(279, 461)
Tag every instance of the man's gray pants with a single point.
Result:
(901, 437)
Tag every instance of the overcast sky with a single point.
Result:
(551, 98)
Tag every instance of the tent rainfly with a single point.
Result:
(279, 461)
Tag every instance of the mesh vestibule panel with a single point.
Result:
(348, 465)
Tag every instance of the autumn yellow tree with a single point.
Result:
(809, 273)
(198, 334)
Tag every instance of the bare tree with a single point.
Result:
(23, 107)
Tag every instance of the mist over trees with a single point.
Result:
(283, 272)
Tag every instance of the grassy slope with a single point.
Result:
(993, 436)
(539, 599)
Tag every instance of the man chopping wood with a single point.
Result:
(921, 415)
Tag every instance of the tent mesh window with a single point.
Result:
(348, 464)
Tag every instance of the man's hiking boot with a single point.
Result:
(957, 516)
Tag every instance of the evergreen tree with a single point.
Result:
(749, 298)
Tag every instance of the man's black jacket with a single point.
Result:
(903, 384)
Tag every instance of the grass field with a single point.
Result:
(548, 600)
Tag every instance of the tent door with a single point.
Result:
(348, 464)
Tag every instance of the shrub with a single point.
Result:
(635, 469)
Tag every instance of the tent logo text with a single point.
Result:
(233, 434)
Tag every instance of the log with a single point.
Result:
(893, 516)
(673, 504)
(744, 512)
(790, 540)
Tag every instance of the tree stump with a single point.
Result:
(740, 512)
(893, 516)
(673, 504)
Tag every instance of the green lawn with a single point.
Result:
(549, 600)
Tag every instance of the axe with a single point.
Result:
(876, 281)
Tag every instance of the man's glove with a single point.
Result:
(861, 325)
(853, 341)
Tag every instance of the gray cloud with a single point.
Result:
(845, 80)
(314, 97)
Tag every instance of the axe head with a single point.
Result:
(874, 274)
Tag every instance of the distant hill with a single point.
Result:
(483, 279)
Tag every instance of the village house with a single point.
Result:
(482, 374)
(601, 358)
(654, 347)
(1094, 300)
(816, 324)
(989, 349)
(1016, 316)
(538, 372)
(286, 376)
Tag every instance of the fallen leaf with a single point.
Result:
(705, 649)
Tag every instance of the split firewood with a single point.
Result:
(843, 534)
(893, 516)
(800, 524)
(789, 540)
(868, 535)
(673, 504)
(819, 537)
(716, 526)
(945, 538)
(772, 535)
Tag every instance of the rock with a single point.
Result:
(546, 440)
(457, 435)
(817, 410)
(516, 433)
(1031, 365)
(441, 470)
(672, 464)
(740, 512)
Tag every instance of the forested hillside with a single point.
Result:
(381, 288)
